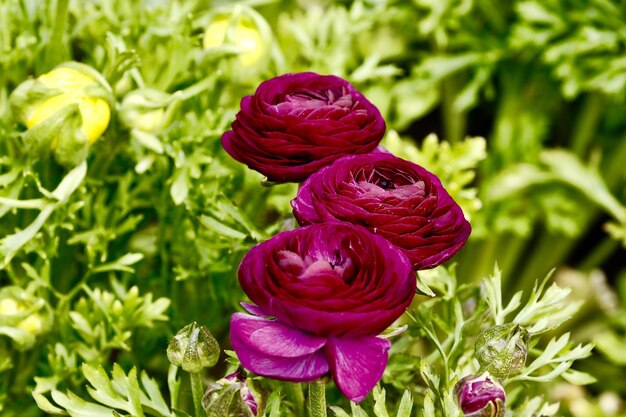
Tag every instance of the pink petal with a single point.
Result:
(274, 338)
(357, 364)
(305, 368)
(255, 310)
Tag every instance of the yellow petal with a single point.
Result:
(246, 37)
(95, 112)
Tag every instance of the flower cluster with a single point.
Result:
(324, 292)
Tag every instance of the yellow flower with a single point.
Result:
(240, 31)
(95, 111)
(10, 307)
(32, 324)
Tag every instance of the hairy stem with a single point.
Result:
(317, 399)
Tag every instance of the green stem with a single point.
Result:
(510, 253)
(197, 88)
(599, 254)
(56, 40)
(453, 120)
(296, 396)
(586, 126)
(317, 399)
(197, 390)
(537, 264)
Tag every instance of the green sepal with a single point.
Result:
(27, 95)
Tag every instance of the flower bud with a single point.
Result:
(65, 110)
(193, 348)
(231, 397)
(501, 349)
(144, 109)
(480, 396)
(243, 29)
(22, 317)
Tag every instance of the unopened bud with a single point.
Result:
(501, 349)
(231, 397)
(480, 396)
(65, 110)
(23, 317)
(244, 30)
(144, 109)
(193, 348)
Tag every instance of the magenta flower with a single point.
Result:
(394, 198)
(323, 294)
(480, 396)
(296, 124)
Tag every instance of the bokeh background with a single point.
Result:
(517, 105)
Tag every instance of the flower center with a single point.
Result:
(382, 182)
(307, 103)
(309, 267)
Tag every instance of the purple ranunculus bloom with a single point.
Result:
(323, 294)
(480, 396)
(394, 198)
(296, 124)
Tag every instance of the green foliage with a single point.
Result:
(443, 331)
(105, 321)
(105, 260)
(380, 409)
(118, 393)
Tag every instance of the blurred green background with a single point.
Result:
(517, 105)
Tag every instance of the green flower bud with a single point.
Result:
(193, 348)
(65, 110)
(231, 396)
(145, 109)
(501, 349)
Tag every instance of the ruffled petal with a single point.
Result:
(357, 364)
(310, 365)
(274, 338)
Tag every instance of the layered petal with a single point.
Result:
(272, 349)
(296, 124)
(332, 279)
(391, 197)
(357, 364)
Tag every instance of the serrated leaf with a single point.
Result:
(221, 228)
(173, 384)
(77, 407)
(406, 405)
(45, 405)
(357, 411)
(273, 406)
(122, 264)
(339, 412)
(380, 408)
(101, 388)
(578, 378)
(429, 405)
(180, 186)
(70, 182)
